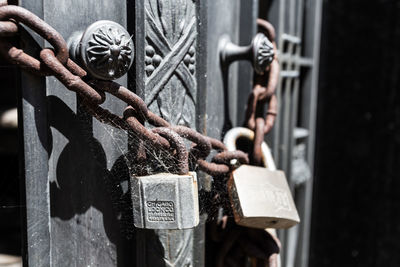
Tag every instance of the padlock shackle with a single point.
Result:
(178, 143)
(235, 133)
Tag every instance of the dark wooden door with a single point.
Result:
(76, 179)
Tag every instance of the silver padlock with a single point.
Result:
(260, 197)
(165, 200)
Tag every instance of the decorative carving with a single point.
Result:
(170, 91)
(152, 60)
(263, 51)
(109, 51)
(170, 61)
(105, 49)
(190, 60)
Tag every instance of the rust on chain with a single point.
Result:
(264, 87)
(203, 146)
(156, 120)
(213, 169)
(258, 139)
(8, 28)
(216, 144)
(71, 81)
(176, 142)
(104, 115)
(164, 136)
(196, 138)
(70, 74)
(263, 93)
(143, 133)
(75, 69)
(252, 105)
(24, 61)
(254, 110)
(220, 165)
(125, 95)
(267, 28)
(199, 140)
(32, 21)
(268, 82)
(271, 114)
(226, 156)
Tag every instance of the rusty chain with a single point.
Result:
(263, 92)
(58, 64)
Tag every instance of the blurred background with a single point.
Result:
(356, 200)
(349, 105)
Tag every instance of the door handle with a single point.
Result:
(260, 52)
(105, 50)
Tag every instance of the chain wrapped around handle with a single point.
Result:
(58, 64)
(164, 136)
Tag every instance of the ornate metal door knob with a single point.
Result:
(260, 52)
(104, 49)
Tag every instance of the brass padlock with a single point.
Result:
(260, 197)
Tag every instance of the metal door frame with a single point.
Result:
(298, 27)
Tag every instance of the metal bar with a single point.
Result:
(291, 239)
(277, 127)
(291, 119)
(287, 114)
(284, 147)
(302, 61)
(306, 62)
(279, 7)
(309, 117)
(291, 17)
(290, 114)
(299, 22)
(291, 236)
(291, 38)
(290, 74)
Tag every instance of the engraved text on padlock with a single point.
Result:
(260, 197)
(165, 201)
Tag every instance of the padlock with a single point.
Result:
(165, 200)
(260, 196)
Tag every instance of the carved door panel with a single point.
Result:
(178, 74)
(74, 172)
